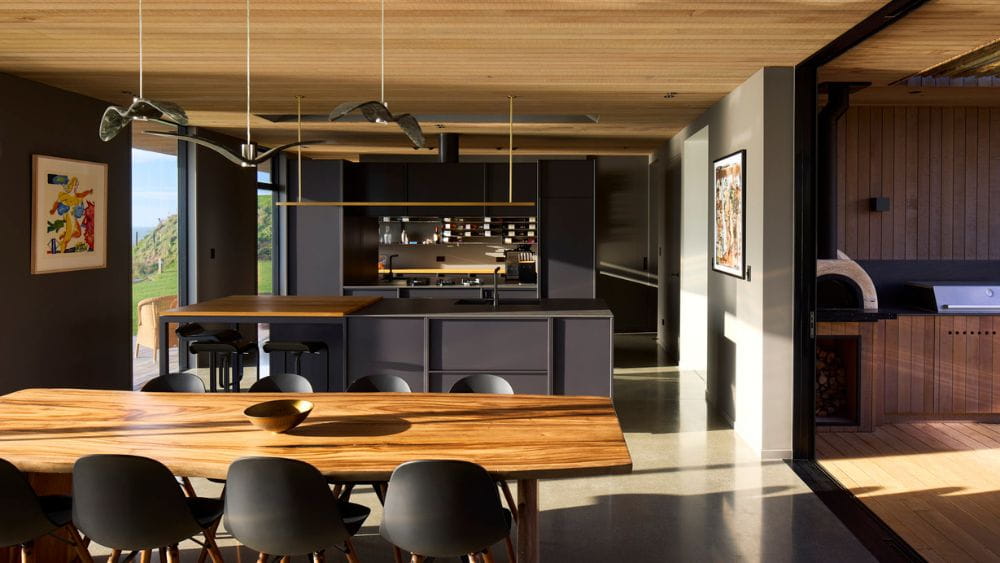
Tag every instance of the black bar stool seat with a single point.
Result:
(296, 348)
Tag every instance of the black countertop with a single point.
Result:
(594, 308)
(873, 315)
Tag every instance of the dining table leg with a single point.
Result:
(527, 521)
(164, 347)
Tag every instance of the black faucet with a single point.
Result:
(496, 288)
(390, 275)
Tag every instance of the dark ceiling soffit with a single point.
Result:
(879, 20)
(445, 118)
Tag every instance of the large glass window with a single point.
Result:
(265, 230)
(155, 249)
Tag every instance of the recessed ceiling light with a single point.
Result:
(916, 91)
(669, 95)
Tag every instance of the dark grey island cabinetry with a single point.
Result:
(551, 346)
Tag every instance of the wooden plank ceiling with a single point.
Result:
(613, 59)
(938, 31)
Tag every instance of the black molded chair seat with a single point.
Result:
(443, 508)
(284, 507)
(175, 383)
(206, 510)
(294, 346)
(380, 383)
(57, 508)
(282, 383)
(483, 383)
(133, 503)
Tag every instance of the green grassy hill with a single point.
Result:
(160, 243)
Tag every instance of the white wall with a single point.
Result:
(694, 247)
(749, 323)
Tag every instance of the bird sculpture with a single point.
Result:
(377, 112)
(248, 156)
(116, 118)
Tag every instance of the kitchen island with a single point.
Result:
(546, 346)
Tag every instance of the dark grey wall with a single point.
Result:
(315, 234)
(66, 329)
(626, 218)
(224, 249)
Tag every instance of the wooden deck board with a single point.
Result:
(937, 484)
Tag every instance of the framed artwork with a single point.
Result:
(729, 212)
(69, 227)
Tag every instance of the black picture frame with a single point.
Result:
(735, 267)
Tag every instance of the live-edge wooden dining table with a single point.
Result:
(348, 436)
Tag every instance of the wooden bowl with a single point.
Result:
(278, 416)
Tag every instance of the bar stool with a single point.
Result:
(190, 332)
(228, 358)
(296, 349)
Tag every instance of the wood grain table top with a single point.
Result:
(350, 436)
(263, 306)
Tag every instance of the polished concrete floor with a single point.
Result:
(697, 492)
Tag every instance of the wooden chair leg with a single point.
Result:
(163, 555)
(511, 553)
(173, 554)
(487, 556)
(350, 552)
(397, 555)
(147, 556)
(337, 489)
(28, 552)
(115, 554)
(509, 498)
(262, 558)
(188, 487)
(319, 557)
(210, 549)
(79, 544)
(414, 558)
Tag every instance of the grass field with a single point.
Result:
(165, 283)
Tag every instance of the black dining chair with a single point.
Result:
(379, 383)
(177, 383)
(25, 516)
(496, 385)
(284, 507)
(282, 383)
(131, 503)
(483, 383)
(444, 508)
(174, 383)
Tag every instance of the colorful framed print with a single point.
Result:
(729, 212)
(69, 228)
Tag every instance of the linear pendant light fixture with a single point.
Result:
(248, 156)
(117, 118)
(378, 112)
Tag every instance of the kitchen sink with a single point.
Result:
(511, 301)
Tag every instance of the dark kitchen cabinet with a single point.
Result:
(566, 224)
(375, 182)
(498, 188)
(452, 181)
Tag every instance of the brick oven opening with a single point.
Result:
(837, 291)
(838, 366)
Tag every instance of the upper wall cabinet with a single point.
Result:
(498, 189)
(453, 181)
(375, 182)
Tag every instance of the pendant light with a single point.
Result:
(116, 118)
(378, 112)
(248, 156)
(510, 148)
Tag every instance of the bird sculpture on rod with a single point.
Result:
(116, 118)
(378, 111)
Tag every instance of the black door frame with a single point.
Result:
(806, 208)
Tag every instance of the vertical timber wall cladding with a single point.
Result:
(939, 166)
(67, 329)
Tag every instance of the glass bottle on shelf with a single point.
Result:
(387, 237)
(437, 236)
(403, 238)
